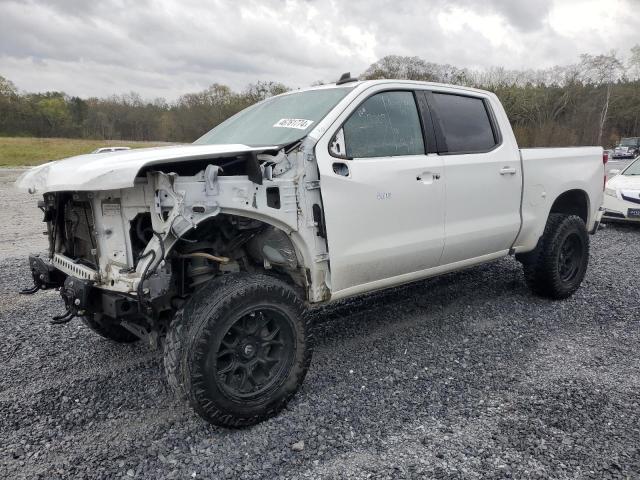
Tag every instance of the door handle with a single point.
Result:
(341, 169)
(508, 171)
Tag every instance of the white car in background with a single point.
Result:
(110, 149)
(622, 194)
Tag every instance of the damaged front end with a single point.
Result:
(134, 255)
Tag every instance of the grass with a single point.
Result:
(28, 151)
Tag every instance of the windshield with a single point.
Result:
(276, 121)
(629, 142)
(633, 169)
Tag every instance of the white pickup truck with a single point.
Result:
(308, 197)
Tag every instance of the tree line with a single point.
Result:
(592, 102)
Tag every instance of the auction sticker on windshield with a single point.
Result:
(299, 123)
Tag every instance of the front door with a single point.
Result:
(383, 202)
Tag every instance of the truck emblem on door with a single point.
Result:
(383, 196)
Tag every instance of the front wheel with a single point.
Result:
(556, 268)
(239, 349)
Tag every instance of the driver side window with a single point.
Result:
(385, 125)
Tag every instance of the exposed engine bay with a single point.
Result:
(137, 254)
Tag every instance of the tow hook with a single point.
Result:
(44, 274)
(75, 293)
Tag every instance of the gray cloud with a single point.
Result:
(526, 16)
(169, 47)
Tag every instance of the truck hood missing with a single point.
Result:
(115, 170)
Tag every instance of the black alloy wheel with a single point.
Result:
(257, 350)
(570, 258)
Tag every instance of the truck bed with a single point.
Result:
(548, 172)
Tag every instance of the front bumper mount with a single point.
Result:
(74, 291)
(78, 292)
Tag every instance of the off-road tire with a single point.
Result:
(543, 266)
(191, 349)
(109, 329)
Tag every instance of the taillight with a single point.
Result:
(605, 159)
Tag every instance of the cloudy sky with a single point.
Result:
(170, 47)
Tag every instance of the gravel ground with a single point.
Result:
(464, 376)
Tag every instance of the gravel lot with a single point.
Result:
(464, 376)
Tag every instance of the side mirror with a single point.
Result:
(337, 146)
(613, 172)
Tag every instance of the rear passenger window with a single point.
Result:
(385, 125)
(465, 123)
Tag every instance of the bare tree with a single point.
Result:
(602, 70)
(415, 68)
(634, 62)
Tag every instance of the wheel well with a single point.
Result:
(247, 244)
(572, 202)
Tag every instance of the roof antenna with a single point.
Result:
(346, 78)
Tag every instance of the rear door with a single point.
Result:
(482, 176)
(383, 200)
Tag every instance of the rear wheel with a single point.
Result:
(239, 349)
(556, 268)
(109, 328)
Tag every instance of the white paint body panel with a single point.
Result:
(382, 221)
(113, 170)
(549, 172)
(482, 205)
